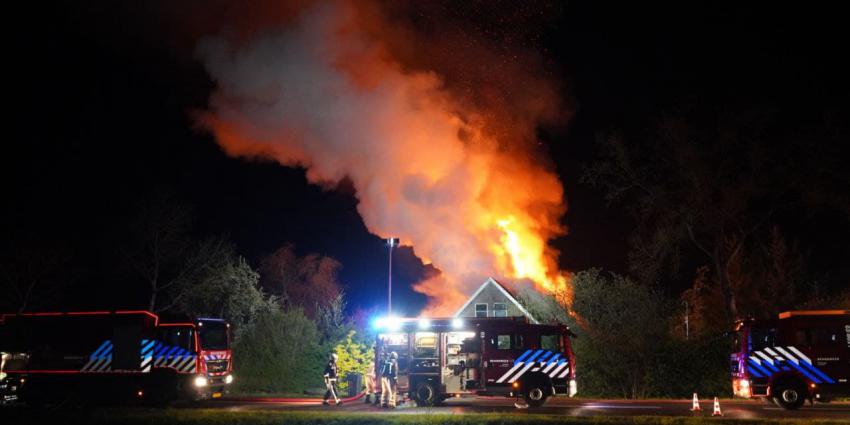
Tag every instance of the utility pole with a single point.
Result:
(687, 328)
(391, 242)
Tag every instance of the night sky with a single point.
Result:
(102, 99)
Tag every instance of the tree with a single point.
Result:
(32, 272)
(707, 187)
(162, 253)
(770, 278)
(621, 325)
(309, 282)
(232, 292)
(332, 321)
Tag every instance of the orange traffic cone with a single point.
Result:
(717, 411)
(695, 407)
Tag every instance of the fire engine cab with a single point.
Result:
(798, 356)
(443, 358)
(102, 356)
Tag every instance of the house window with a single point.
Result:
(480, 310)
(500, 310)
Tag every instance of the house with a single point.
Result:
(493, 300)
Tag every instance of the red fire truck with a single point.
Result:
(442, 358)
(798, 356)
(113, 356)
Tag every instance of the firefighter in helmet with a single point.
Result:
(331, 372)
(379, 377)
(389, 381)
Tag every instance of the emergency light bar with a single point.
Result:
(394, 324)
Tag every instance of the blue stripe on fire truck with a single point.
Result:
(776, 359)
(545, 361)
(152, 354)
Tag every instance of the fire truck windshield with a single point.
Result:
(213, 336)
(762, 338)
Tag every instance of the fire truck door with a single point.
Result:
(456, 370)
(501, 349)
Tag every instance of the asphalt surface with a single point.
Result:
(744, 409)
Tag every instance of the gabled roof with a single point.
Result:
(491, 281)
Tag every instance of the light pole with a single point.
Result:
(687, 327)
(391, 242)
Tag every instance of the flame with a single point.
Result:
(526, 250)
(456, 177)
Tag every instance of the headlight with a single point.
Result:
(745, 383)
(228, 379)
(201, 381)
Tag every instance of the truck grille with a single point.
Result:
(217, 366)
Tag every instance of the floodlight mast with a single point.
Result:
(391, 242)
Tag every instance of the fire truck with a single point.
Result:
(799, 356)
(443, 358)
(113, 356)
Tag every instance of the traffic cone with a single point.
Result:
(695, 407)
(717, 411)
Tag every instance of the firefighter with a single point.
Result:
(371, 390)
(389, 381)
(379, 377)
(331, 372)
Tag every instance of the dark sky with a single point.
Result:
(100, 102)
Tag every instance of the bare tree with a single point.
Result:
(309, 282)
(709, 188)
(31, 271)
(162, 253)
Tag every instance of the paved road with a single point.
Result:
(745, 409)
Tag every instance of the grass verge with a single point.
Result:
(214, 417)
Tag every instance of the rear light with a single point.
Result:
(573, 387)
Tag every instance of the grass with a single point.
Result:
(214, 417)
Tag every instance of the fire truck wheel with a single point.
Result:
(789, 394)
(425, 394)
(535, 395)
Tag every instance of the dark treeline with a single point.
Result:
(721, 201)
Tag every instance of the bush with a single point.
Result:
(278, 352)
(354, 357)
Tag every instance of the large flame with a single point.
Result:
(456, 177)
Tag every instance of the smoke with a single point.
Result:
(440, 154)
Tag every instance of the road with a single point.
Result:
(744, 409)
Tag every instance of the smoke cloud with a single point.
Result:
(440, 154)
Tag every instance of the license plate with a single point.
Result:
(216, 395)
